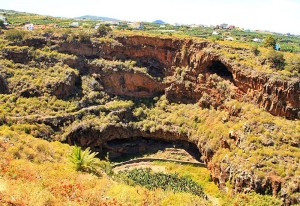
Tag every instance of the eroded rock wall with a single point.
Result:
(161, 56)
(279, 97)
(3, 85)
(242, 180)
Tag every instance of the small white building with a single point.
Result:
(229, 38)
(113, 22)
(97, 26)
(257, 40)
(194, 26)
(223, 26)
(2, 18)
(74, 24)
(215, 33)
(136, 25)
(177, 24)
(29, 27)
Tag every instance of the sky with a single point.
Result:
(274, 15)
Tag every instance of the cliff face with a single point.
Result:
(186, 72)
(128, 82)
(3, 86)
(64, 88)
(89, 135)
(162, 55)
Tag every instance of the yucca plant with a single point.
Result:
(84, 160)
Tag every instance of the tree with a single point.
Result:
(1, 24)
(103, 30)
(269, 41)
(276, 59)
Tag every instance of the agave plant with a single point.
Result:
(84, 160)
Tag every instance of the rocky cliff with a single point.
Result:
(242, 179)
(3, 85)
(184, 71)
(162, 55)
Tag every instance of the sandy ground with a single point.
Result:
(155, 168)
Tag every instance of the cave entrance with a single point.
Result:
(154, 67)
(120, 150)
(220, 69)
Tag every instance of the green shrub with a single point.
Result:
(269, 41)
(84, 37)
(1, 23)
(293, 64)
(276, 59)
(255, 50)
(150, 180)
(15, 35)
(253, 199)
(103, 30)
(85, 161)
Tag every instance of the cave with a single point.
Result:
(217, 67)
(154, 67)
(120, 143)
(119, 150)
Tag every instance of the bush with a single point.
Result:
(293, 64)
(103, 30)
(15, 35)
(255, 50)
(150, 180)
(1, 23)
(83, 37)
(205, 101)
(269, 41)
(84, 161)
(276, 59)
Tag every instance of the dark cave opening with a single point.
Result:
(119, 150)
(221, 70)
(154, 67)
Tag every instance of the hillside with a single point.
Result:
(230, 106)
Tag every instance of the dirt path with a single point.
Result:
(140, 165)
(148, 163)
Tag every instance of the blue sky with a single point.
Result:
(274, 15)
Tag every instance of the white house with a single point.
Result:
(194, 26)
(2, 18)
(229, 38)
(223, 26)
(257, 40)
(177, 24)
(113, 22)
(74, 24)
(136, 25)
(29, 27)
(97, 26)
(215, 33)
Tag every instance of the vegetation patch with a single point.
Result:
(150, 180)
